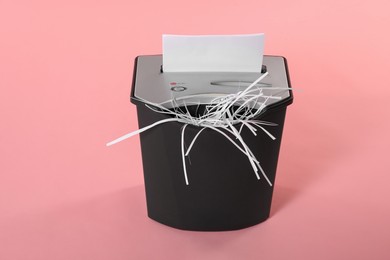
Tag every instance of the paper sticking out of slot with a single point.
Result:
(213, 53)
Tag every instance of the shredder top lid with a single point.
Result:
(153, 85)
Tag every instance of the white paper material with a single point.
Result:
(213, 53)
(219, 117)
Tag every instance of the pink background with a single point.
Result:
(65, 74)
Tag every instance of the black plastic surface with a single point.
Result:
(223, 191)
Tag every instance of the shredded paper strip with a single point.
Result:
(220, 115)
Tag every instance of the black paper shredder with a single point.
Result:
(223, 191)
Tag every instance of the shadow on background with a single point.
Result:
(310, 147)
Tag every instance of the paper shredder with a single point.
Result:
(223, 192)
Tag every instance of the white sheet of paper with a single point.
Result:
(213, 53)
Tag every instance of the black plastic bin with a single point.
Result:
(223, 191)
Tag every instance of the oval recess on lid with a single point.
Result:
(243, 84)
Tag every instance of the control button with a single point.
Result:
(178, 88)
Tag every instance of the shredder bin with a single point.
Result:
(223, 191)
